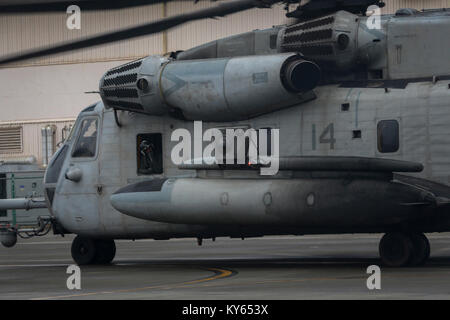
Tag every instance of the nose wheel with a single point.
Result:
(399, 249)
(89, 251)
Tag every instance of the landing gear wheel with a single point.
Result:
(421, 249)
(396, 249)
(83, 250)
(105, 251)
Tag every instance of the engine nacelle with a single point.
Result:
(225, 89)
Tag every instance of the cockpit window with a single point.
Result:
(71, 131)
(86, 145)
(56, 164)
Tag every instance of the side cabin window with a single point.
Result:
(388, 136)
(149, 153)
(86, 144)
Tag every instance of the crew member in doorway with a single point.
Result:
(149, 157)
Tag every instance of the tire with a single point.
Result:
(83, 250)
(421, 249)
(105, 251)
(396, 249)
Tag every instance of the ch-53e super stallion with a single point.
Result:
(361, 113)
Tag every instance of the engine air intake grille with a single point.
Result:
(121, 93)
(310, 24)
(309, 36)
(118, 87)
(124, 68)
(120, 80)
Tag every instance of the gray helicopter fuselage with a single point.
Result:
(386, 96)
(341, 121)
(336, 123)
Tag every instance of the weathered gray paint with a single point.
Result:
(422, 139)
(224, 89)
(282, 202)
(216, 202)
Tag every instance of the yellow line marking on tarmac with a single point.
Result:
(311, 279)
(221, 273)
(272, 281)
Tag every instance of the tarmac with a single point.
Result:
(288, 267)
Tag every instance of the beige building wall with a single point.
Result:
(31, 134)
(21, 32)
(51, 90)
(198, 32)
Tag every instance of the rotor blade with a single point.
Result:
(141, 30)
(320, 7)
(21, 6)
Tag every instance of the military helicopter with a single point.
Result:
(353, 120)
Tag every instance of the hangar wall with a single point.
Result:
(33, 30)
(21, 32)
(51, 90)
